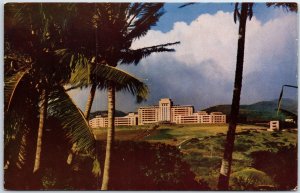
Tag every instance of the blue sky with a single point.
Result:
(191, 12)
(201, 71)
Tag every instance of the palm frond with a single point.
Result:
(134, 56)
(16, 145)
(122, 80)
(250, 11)
(147, 18)
(186, 4)
(71, 57)
(133, 12)
(20, 122)
(236, 14)
(72, 120)
(293, 7)
(11, 84)
(101, 75)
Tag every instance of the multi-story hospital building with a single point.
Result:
(165, 111)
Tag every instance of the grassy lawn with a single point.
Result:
(169, 133)
(174, 135)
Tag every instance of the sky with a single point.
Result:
(201, 71)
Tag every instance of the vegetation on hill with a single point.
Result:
(261, 111)
(251, 150)
(249, 179)
(203, 152)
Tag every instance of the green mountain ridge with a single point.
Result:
(261, 111)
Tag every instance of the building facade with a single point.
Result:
(148, 115)
(165, 111)
(205, 118)
(130, 119)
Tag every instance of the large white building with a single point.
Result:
(165, 111)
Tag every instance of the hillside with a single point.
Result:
(261, 111)
(286, 104)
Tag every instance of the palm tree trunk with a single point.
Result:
(90, 102)
(43, 114)
(87, 111)
(227, 157)
(110, 135)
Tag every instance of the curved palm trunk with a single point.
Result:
(87, 111)
(110, 135)
(90, 102)
(227, 157)
(43, 114)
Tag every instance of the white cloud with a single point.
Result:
(201, 71)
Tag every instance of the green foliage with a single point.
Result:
(280, 165)
(10, 87)
(135, 166)
(72, 120)
(96, 168)
(249, 179)
(110, 29)
(146, 166)
(163, 134)
(51, 166)
(20, 121)
(288, 6)
(204, 154)
(242, 144)
(101, 75)
(34, 38)
(48, 179)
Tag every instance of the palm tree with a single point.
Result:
(242, 15)
(102, 75)
(246, 10)
(120, 24)
(111, 28)
(32, 40)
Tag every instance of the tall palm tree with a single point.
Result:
(242, 15)
(110, 29)
(246, 10)
(101, 34)
(37, 34)
(32, 40)
(102, 75)
(120, 24)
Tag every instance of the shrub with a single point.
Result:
(280, 165)
(146, 166)
(249, 179)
